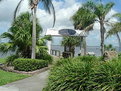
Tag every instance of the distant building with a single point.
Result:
(57, 50)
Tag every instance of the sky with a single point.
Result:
(65, 9)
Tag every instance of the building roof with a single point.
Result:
(55, 32)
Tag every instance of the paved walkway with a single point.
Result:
(34, 83)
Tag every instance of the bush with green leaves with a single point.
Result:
(10, 59)
(119, 55)
(29, 64)
(86, 58)
(78, 74)
(46, 57)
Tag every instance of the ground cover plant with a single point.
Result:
(7, 77)
(85, 74)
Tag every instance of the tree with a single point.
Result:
(83, 20)
(116, 29)
(100, 10)
(33, 4)
(70, 42)
(19, 37)
(109, 48)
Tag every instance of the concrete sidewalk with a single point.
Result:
(34, 83)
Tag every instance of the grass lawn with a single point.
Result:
(8, 77)
(2, 60)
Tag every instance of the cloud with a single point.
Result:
(64, 11)
(7, 8)
(94, 36)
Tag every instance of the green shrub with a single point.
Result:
(119, 55)
(108, 76)
(79, 74)
(29, 64)
(46, 57)
(70, 75)
(10, 59)
(101, 58)
(87, 58)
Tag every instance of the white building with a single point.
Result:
(57, 33)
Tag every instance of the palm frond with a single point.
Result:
(7, 35)
(108, 7)
(117, 15)
(49, 7)
(116, 28)
(16, 10)
(90, 27)
(6, 47)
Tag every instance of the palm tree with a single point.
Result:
(69, 42)
(116, 29)
(34, 4)
(19, 37)
(100, 10)
(83, 19)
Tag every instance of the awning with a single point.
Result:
(65, 32)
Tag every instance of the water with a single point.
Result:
(95, 49)
(4, 55)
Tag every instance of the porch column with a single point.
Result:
(49, 46)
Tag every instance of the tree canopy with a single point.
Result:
(19, 36)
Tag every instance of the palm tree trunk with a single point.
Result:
(119, 41)
(85, 46)
(81, 47)
(102, 31)
(33, 55)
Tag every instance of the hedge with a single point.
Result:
(29, 64)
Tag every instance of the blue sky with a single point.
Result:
(64, 10)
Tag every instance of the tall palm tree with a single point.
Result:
(116, 29)
(100, 10)
(34, 4)
(83, 19)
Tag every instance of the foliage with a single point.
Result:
(100, 58)
(78, 74)
(119, 55)
(2, 60)
(47, 5)
(116, 29)
(8, 77)
(109, 48)
(83, 18)
(67, 42)
(95, 12)
(19, 36)
(29, 64)
(87, 58)
(45, 56)
(10, 59)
